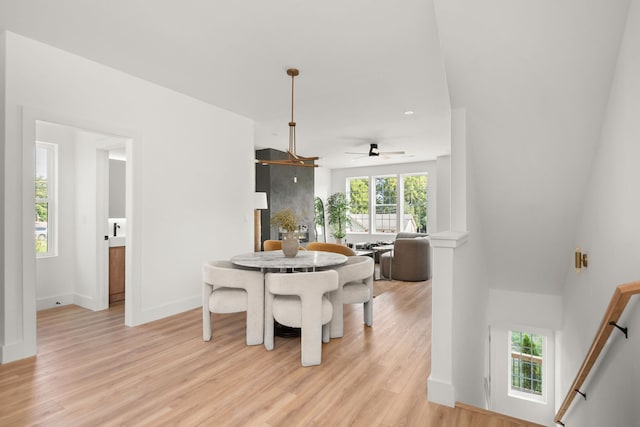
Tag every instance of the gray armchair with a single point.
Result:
(410, 260)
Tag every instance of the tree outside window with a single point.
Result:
(526, 362)
(415, 203)
(375, 205)
(358, 195)
(386, 203)
(45, 163)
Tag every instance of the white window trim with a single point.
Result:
(372, 200)
(373, 212)
(52, 199)
(348, 193)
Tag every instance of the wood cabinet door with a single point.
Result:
(116, 274)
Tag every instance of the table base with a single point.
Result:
(283, 331)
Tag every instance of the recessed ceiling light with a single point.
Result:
(408, 113)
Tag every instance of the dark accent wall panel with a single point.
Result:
(286, 187)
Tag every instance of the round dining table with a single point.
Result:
(275, 260)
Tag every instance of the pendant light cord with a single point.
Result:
(292, 124)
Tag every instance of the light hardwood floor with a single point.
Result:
(91, 370)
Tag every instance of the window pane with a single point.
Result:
(45, 201)
(415, 204)
(41, 227)
(526, 362)
(386, 204)
(358, 194)
(42, 182)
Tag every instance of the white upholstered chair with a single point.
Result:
(227, 289)
(299, 300)
(355, 286)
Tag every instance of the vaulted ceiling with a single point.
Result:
(533, 76)
(362, 64)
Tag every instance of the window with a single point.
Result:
(358, 196)
(375, 205)
(526, 370)
(414, 218)
(46, 160)
(386, 204)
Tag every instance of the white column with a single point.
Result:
(443, 193)
(441, 388)
(458, 170)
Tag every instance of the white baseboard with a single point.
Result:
(54, 301)
(441, 392)
(160, 312)
(85, 302)
(16, 351)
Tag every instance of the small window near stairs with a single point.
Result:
(527, 367)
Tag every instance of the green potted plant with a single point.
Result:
(319, 219)
(338, 217)
(287, 220)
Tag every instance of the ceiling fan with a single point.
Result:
(374, 151)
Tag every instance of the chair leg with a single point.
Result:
(255, 318)
(206, 325)
(311, 343)
(337, 321)
(206, 314)
(311, 333)
(255, 331)
(268, 321)
(326, 333)
(368, 312)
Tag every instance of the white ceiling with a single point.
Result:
(362, 64)
(533, 76)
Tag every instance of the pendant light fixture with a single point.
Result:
(294, 159)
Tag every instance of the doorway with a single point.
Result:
(89, 219)
(117, 225)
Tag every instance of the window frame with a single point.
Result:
(374, 205)
(400, 177)
(51, 199)
(402, 203)
(520, 394)
(348, 194)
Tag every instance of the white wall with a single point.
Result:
(3, 278)
(87, 290)
(322, 183)
(338, 182)
(181, 215)
(528, 312)
(609, 232)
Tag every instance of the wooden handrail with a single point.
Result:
(617, 305)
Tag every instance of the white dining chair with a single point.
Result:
(299, 300)
(355, 286)
(228, 289)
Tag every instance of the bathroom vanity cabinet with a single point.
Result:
(116, 274)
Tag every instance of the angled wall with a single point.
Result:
(609, 232)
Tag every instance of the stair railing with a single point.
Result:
(619, 301)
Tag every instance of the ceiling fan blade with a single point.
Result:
(351, 152)
(392, 153)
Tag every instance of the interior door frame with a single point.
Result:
(29, 118)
